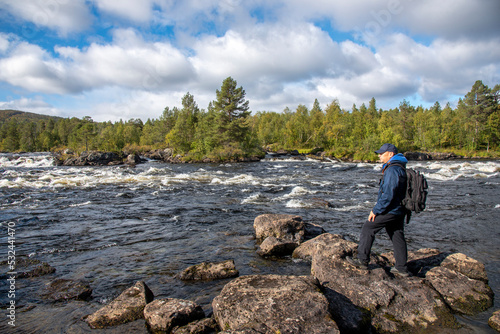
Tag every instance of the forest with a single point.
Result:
(227, 128)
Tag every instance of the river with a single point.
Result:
(112, 226)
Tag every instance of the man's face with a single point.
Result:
(386, 156)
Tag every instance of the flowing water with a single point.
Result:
(112, 226)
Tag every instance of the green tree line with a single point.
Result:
(227, 128)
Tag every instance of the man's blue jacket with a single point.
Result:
(392, 187)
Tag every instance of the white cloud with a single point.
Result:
(4, 43)
(267, 54)
(36, 105)
(30, 67)
(273, 49)
(135, 10)
(62, 15)
(129, 62)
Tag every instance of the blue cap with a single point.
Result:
(387, 148)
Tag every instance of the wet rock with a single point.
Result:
(313, 230)
(462, 294)
(203, 326)
(64, 289)
(285, 227)
(273, 304)
(162, 315)
(210, 271)
(28, 268)
(494, 321)
(272, 246)
(127, 307)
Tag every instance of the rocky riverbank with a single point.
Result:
(335, 298)
(97, 158)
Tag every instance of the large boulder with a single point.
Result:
(280, 226)
(278, 234)
(273, 304)
(360, 299)
(162, 315)
(127, 307)
(210, 271)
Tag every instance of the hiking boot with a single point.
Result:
(357, 263)
(401, 273)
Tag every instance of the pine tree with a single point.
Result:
(232, 112)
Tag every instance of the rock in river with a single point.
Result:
(162, 315)
(360, 299)
(273, 304)
(210, 271)
(64, 289)
(127, 307)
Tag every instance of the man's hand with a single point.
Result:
(372, 216)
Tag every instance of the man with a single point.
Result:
(388, 213)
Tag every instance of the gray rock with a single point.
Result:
(127, 307)
(272, 246)
(162, 315)
(210, 271)
(465, 265)
(284, 227)
(64, 289)
(494, 321)
(462, 294)
(394, 304)
(203, 326)
(273, 304)
(307, 249)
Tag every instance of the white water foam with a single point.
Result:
(299, 191)
(27, 160)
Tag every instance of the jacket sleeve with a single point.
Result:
(387, 191)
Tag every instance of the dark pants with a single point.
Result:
(394, 226)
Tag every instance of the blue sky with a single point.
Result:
(128, 59)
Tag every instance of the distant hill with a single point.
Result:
(6, 115)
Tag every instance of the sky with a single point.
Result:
(125, 59)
